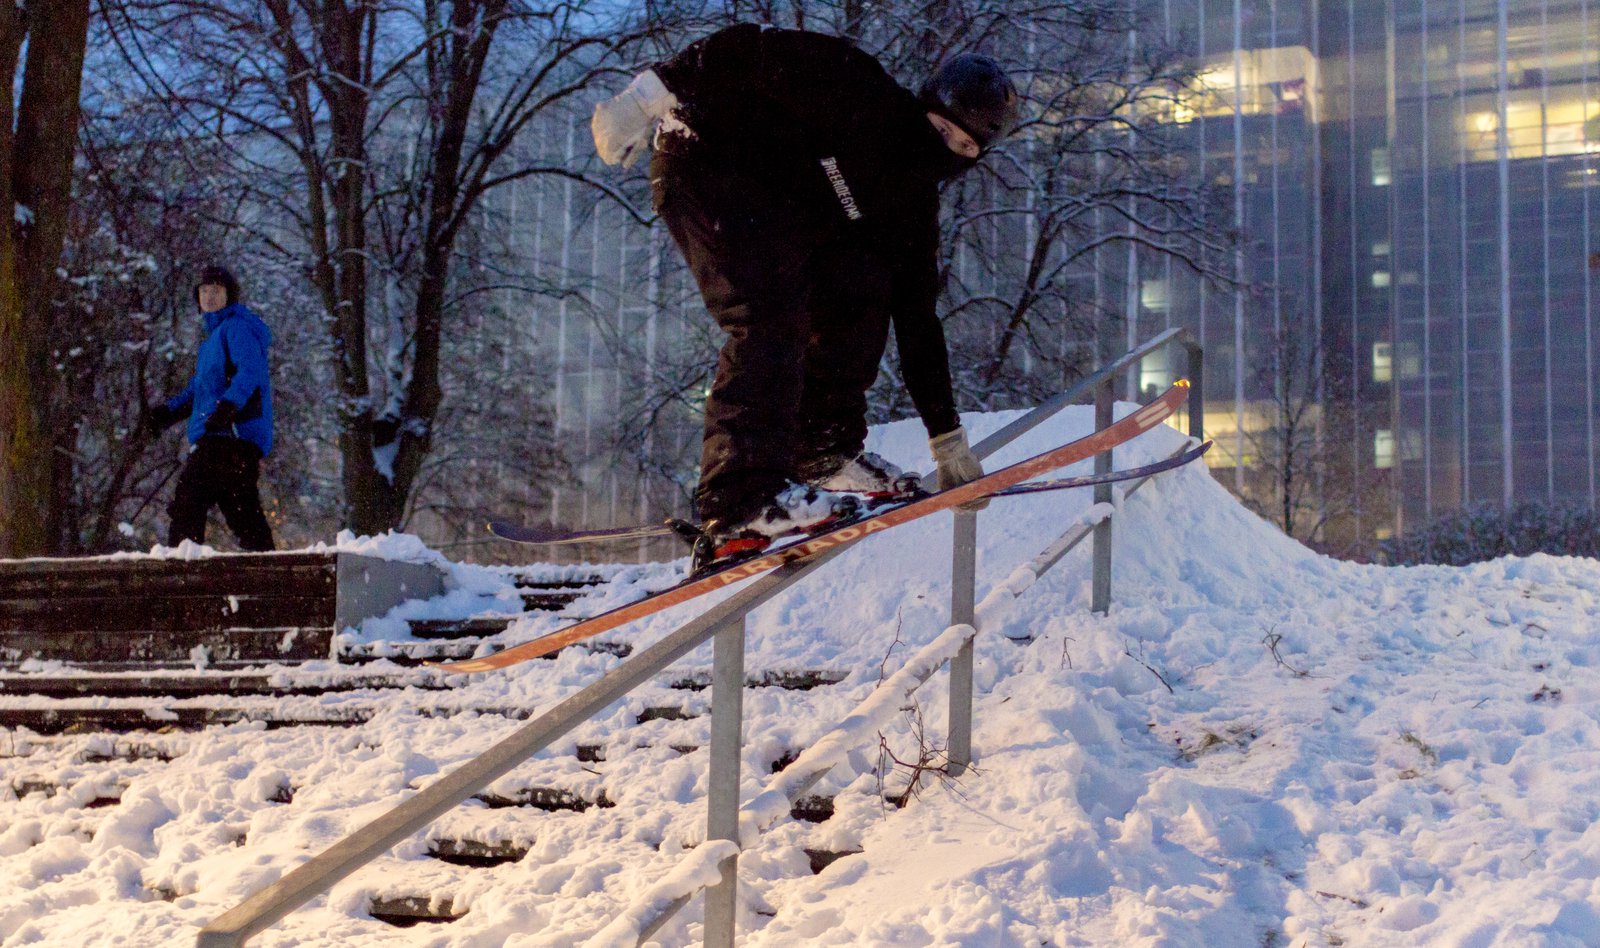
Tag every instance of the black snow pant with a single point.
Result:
(221, 471)
(806, 313)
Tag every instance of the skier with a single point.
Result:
(229, 406)
(800, 181)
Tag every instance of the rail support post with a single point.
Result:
(963, 583)
(722, 797)
(1100, 597)
(1196, 364)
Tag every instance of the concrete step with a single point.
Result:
(215, 683)
(101, 797)
(478, 627)
(449, 650)
(803, 680)
(409, 911)
(668, 713)
(168, 719)
(168, 612)
(175, 648)
(70, 717)
(129, 720)
(225, 610)
(297, 574)
(552, 601)
(89, 748)
(549, 799)
(540, 583)
(475, 854)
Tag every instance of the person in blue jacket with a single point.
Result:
(229, 406)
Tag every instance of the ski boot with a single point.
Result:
(870, 475)
(796, 510)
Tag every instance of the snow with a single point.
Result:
(1258, 746)
(400, 547)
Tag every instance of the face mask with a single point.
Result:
(948, 164)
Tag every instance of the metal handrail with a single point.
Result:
(264, 908)
(782, 790)
(964, 545)
(1107, 373)
(655, 908)
(814, 764)
(725, 621)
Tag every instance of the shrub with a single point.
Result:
(1485, 531)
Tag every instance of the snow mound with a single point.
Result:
(1257, 746)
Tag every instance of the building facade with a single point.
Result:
(1409, 327)
(1414, 183)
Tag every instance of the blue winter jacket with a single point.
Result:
(231, 366)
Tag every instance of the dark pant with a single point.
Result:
(221, 472)
(806, 318)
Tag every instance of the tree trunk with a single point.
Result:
(340, 216)
(36, 181)
(47, 141)
(383, 504)
(21, 486)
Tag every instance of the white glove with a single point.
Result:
(957, 464)
(622, 126)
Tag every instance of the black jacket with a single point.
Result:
(815, 120)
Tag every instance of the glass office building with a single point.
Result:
(1413, 186)
(1415, 191)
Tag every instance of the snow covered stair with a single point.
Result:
(131, 644)
(82, 731)
(230, 611)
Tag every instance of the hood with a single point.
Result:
(246, 317)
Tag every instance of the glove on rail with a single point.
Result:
(957, 464)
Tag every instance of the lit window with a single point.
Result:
(1382, 362)
(1154, 373)
(1380, 279)
(1380, 248)
(1380, 167)
(1153, 295)
(1383, 449)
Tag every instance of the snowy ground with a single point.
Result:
(1259, 746)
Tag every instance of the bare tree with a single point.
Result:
(359, 141)
(1098, 163)
(1097, 166)
(1301, 474)
(1291, 457)
(151, 207)
(375, 130)
(38, 137)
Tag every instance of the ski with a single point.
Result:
(519, 533)
(688, 530)
(1126, 429)
(1109, 477)
(551, 536)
